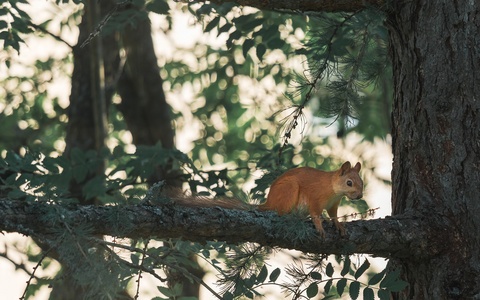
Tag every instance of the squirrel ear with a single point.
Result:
(357, 167)
(345, 168)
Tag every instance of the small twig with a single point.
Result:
(20, 266)
(100, 25)
(140, 270)
(319, 75)
(368, 213)
(32, 276)
(44, 30)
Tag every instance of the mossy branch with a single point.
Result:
(388, 237)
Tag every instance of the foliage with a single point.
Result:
(241, 269)
(14, 22)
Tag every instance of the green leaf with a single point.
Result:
(159, 7)
(362, 269)
(368, 294)
(275, 43)
(262, 275)
(397, 286)
(224, 8)
(213, 23)
(242, 20)
(316, 275)
(80, 173)
(383, 294)
(328, 285)
(3, 25)
(205, 9)
(4, 11)
(247, 45)
(4, 35)
(166, 291)
(178, 288)
(274, 275)
(19, 25)
(267, 33)
(225, 28)
(329, 270)
(341, 286)
(233, 36)
(376, 278)
(249, 282)
(389, 278)
(354, 290)
(261, 49)
(135, 259)
(346, 266)
(227, 296)
(252, 24)
(312, 290)
(16, 194)
(77, 156)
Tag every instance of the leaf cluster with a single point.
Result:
(306, 280)
(14, 21)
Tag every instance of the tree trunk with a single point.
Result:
(147, 115)
(436, 140)
(95, 65)
(143, 105)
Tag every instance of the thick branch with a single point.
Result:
(391, 237)
(307, 5)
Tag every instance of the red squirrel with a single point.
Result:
(316, 190)
(296, 188)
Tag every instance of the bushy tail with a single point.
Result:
(182, 199)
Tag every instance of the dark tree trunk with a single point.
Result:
(143, 105)
(91, 89)
(95, 65)
(436, 140)
(147, 115)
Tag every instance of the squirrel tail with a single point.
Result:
(182, 199)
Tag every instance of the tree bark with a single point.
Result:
(436, 140)
(144, 104)
(399, 236)
(91, 90)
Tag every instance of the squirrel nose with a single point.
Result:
(358, 196)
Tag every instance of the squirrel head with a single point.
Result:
(347, 181)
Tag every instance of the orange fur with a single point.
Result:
(316, 190)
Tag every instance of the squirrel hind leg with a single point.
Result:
(283, 197)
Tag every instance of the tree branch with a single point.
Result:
(391, 237)
(305, 5)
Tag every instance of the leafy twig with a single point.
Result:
(159, 261)
(100, 26)
(318, 75)
(44, 30)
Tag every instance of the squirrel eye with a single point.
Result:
(349, 183)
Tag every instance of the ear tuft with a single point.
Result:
(357, 167)
(345, 168)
